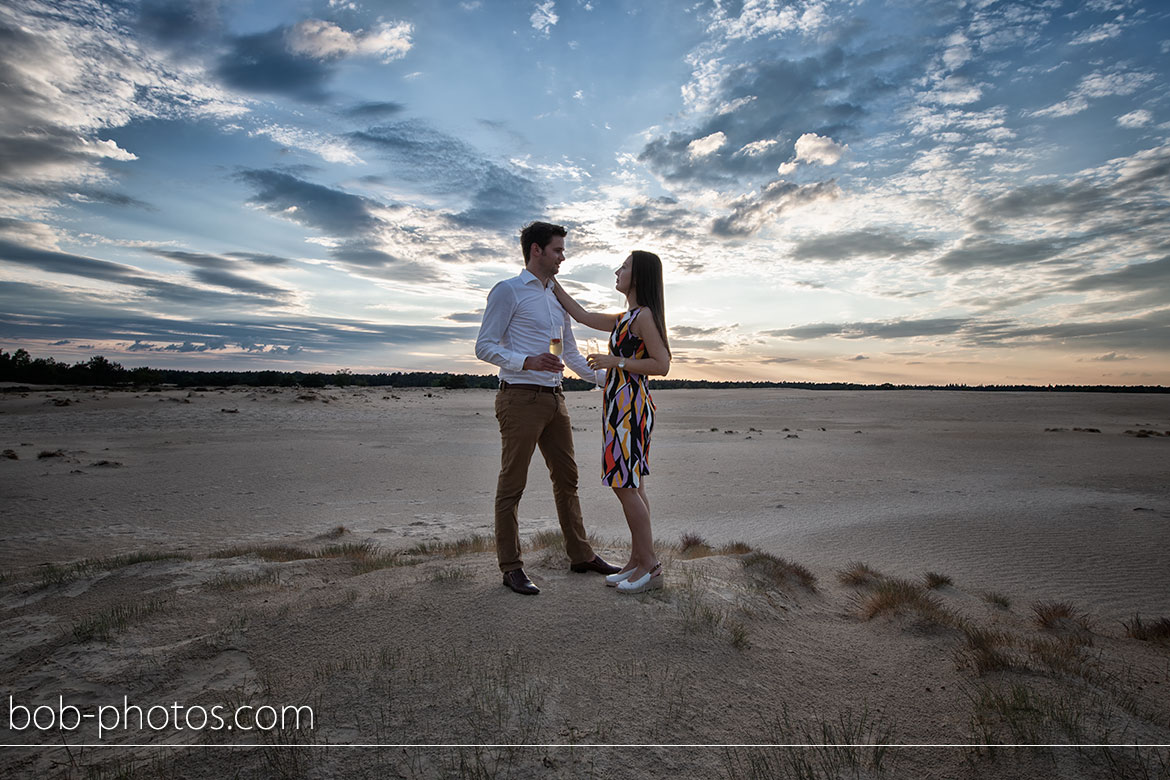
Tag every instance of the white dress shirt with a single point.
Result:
(521, 316)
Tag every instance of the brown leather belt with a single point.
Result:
(538, 388)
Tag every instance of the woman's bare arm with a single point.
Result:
(594, 320)
(658, 362)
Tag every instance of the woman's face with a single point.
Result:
(624, 275)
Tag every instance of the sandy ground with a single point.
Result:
(998, 491)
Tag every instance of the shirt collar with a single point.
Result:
(527, 277)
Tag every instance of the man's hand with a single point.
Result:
(543, 362)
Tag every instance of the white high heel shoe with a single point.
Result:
(651, 580)
(612, 580)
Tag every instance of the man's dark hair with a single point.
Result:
(539, 233)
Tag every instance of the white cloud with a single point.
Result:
(544, 16)
(756, 148)
(760, 18)
(325, 40)
(1139, 118)
(328, 149)
(958, 53)
(703, 147)
(812, 148)
(1101, 32)
(1097, 85)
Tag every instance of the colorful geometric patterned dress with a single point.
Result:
(628, 414)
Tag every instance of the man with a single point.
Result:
(521, 317)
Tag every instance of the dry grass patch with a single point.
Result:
(691, 546)
(260, 579)
(1059, 616)
(103, 625)
(468, 545)
(778, 571)
(987, 650)
(859, 575)
(1158, 631)
(894, 596)
(279, 553)
(51, 574)
(1061, 656)
(997, 600)
(935, 580)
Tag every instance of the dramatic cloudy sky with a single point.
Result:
(868, 191)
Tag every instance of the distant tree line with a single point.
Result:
(20, 366)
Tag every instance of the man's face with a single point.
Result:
(547, 261)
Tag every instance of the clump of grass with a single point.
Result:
(383, 560)
(987, 650)
(347, 550)
(1059, 615)
(894, 596)
(547, 539)
(1158, 631)
(476, 543)
(334, 533)
(105, 624)
(859, 575)
(1061, 656)
(934, 580)
(51, 574)
(824, 746)
(450, 574)
(996, 599)
(50, 454)
(259, 579)
(735, 548)
(737, 633)
(281, 553)
(691, 545)
(779, 571)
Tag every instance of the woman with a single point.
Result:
(637, 349)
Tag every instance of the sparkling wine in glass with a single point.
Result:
(555, 344)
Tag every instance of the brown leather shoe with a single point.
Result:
(518, 581)
(598, 565)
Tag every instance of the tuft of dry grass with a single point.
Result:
(934, 580)
(894, 596)
(1158, 631)
(778, 571)
(280, 553)
(347, 550)
(468, 545)
(859, 575)
(997, 599)
(987, 650)
(103, 625)
(1061, 656)
(1059, 615)
(334, 533)
(735, 548)
(691, 545)
(547, 539)
(260, 579)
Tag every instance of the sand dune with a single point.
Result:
(280, 547)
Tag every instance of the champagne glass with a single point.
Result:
(555, 343)
(593, 349)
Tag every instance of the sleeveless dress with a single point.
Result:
(628, 412)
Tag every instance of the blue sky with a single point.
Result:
(863, 191)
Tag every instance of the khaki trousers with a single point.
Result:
(528, 419)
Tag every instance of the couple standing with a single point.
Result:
(525, 325)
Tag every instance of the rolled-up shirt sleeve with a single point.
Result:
(489, 345)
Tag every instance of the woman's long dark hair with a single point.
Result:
(646, 277)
